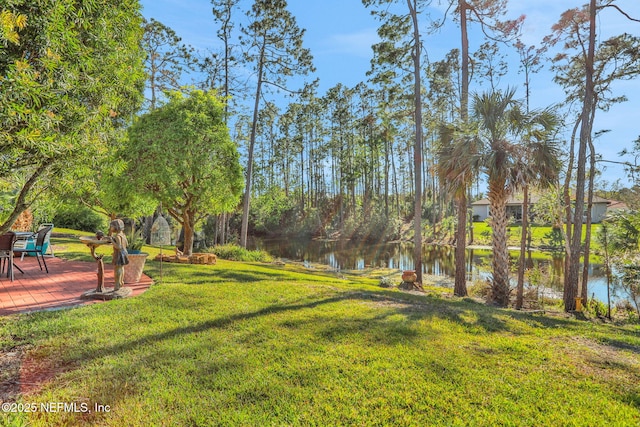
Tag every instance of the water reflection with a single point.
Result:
(437, 260)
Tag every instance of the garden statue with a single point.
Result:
(118, 240)
(120, 255)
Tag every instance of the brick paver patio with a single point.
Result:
(35, 290)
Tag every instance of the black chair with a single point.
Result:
(38, 249)
(6, 252)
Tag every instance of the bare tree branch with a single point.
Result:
(621, 11)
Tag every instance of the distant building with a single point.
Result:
(514, 207)
(615, 206)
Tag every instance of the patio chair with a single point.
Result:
(39, 248)
(6, 253)
(30, 243)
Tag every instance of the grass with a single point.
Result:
(539, 234)
(238, 253)
(258, 344)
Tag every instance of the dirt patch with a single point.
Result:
(10, 363)
(603, 361)
(21, 374)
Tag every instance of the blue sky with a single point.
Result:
(339, 34)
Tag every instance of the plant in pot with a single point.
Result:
(135, 242)
(133, 270)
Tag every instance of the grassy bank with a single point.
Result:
(541, 235)
(259, 344)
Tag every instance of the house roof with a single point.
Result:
(513, 200)
(614, 204)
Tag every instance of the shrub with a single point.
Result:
(238, 253)
(480, 288)
(598, 308)
(386, 282)
(554, 240)
(79, 218)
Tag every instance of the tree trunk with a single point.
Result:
(566, 196)
(188, 225)
(584, 294)
(523, 247)
(469, 216)
(464, 91)
(386, 178)
(246, 204)
(21, 202)
(498, 211)
(460, 284)
(417, 151)
(571, 282)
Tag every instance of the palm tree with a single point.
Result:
(457, 166)
(540, 168)
(507, 164)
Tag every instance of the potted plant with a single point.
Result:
(135, 242)
(137, 258)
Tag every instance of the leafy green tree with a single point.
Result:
(618, 239)
(73, 76)
(103, 189)
(273, 48)
(10, 24)
(182, 155)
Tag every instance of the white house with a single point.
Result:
(514, 207)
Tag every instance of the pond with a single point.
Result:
(437, 260)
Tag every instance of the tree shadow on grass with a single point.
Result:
(246, 277)
(198, 274)
(487, 318)
(484, 318)
(218, 323)
(621, 345)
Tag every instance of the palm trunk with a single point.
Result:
(498, 210)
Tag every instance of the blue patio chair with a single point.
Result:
(37, 245)
(30, 243)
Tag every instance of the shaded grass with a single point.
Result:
(257, 344)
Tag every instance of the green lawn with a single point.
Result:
(540, 234)
(243, 344)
